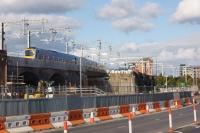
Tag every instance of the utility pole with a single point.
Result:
(186, 75)
(162, 69)
(29, 39)
(166, 83)
(2, 36)
(99, 54)
(196, 73)
(67, 47)
(110, 52)
(157, 68)
(80, 67)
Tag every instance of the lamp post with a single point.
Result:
(80, 67)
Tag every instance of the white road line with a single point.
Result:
(122, 127)
(197, 127)
(178, 132)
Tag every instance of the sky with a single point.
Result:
(166, 30)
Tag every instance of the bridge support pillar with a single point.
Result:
(3, 67)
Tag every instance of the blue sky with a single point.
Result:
(167, 30)
(95, 28)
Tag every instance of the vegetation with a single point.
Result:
(173, 81)
(145, 83)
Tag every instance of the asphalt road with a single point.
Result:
(154, 123)
(188, 129)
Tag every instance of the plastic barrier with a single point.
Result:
(114, 112)
(76, 117)
(40, 121)
(166, 104)
(87, 114)
(57, 118)
(2, 126)
(187, 101)
(171, 103)
(162, 105)
(156, 106)
(18, 123)
(134, 109)
(149, 107)
(177, 104)
(182, 101)
(142, 108)
(124, 110)
(103, 113)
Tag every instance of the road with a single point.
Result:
(154, 123)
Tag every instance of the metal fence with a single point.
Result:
(21, 107)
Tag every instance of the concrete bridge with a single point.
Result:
(60, 72)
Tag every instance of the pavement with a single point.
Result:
(150, 123)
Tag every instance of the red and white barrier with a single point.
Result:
(170, 120)
(91, 115)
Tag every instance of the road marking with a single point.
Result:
(197, 127)
(122, 127)
(157, 119)
(178, 132)
(160, 132)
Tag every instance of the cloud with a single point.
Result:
(165, 55)
(57, 20)
(116, 9)
(176, 51)
(130, 24)
(129, 48)
(39, 6)
(188, 53)
(188, 11)
(150, 10)
(127, 17)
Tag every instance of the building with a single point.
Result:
(197, 72)
(192, 71)
(144, 66)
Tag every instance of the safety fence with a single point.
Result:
(31, 106)
(44, 121)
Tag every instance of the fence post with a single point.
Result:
(130, 117)
(170, 120)
(65, 127)
(195, 113)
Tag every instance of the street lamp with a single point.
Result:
(80, 67)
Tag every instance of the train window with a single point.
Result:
(29, 53)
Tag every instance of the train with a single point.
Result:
(43, 54)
